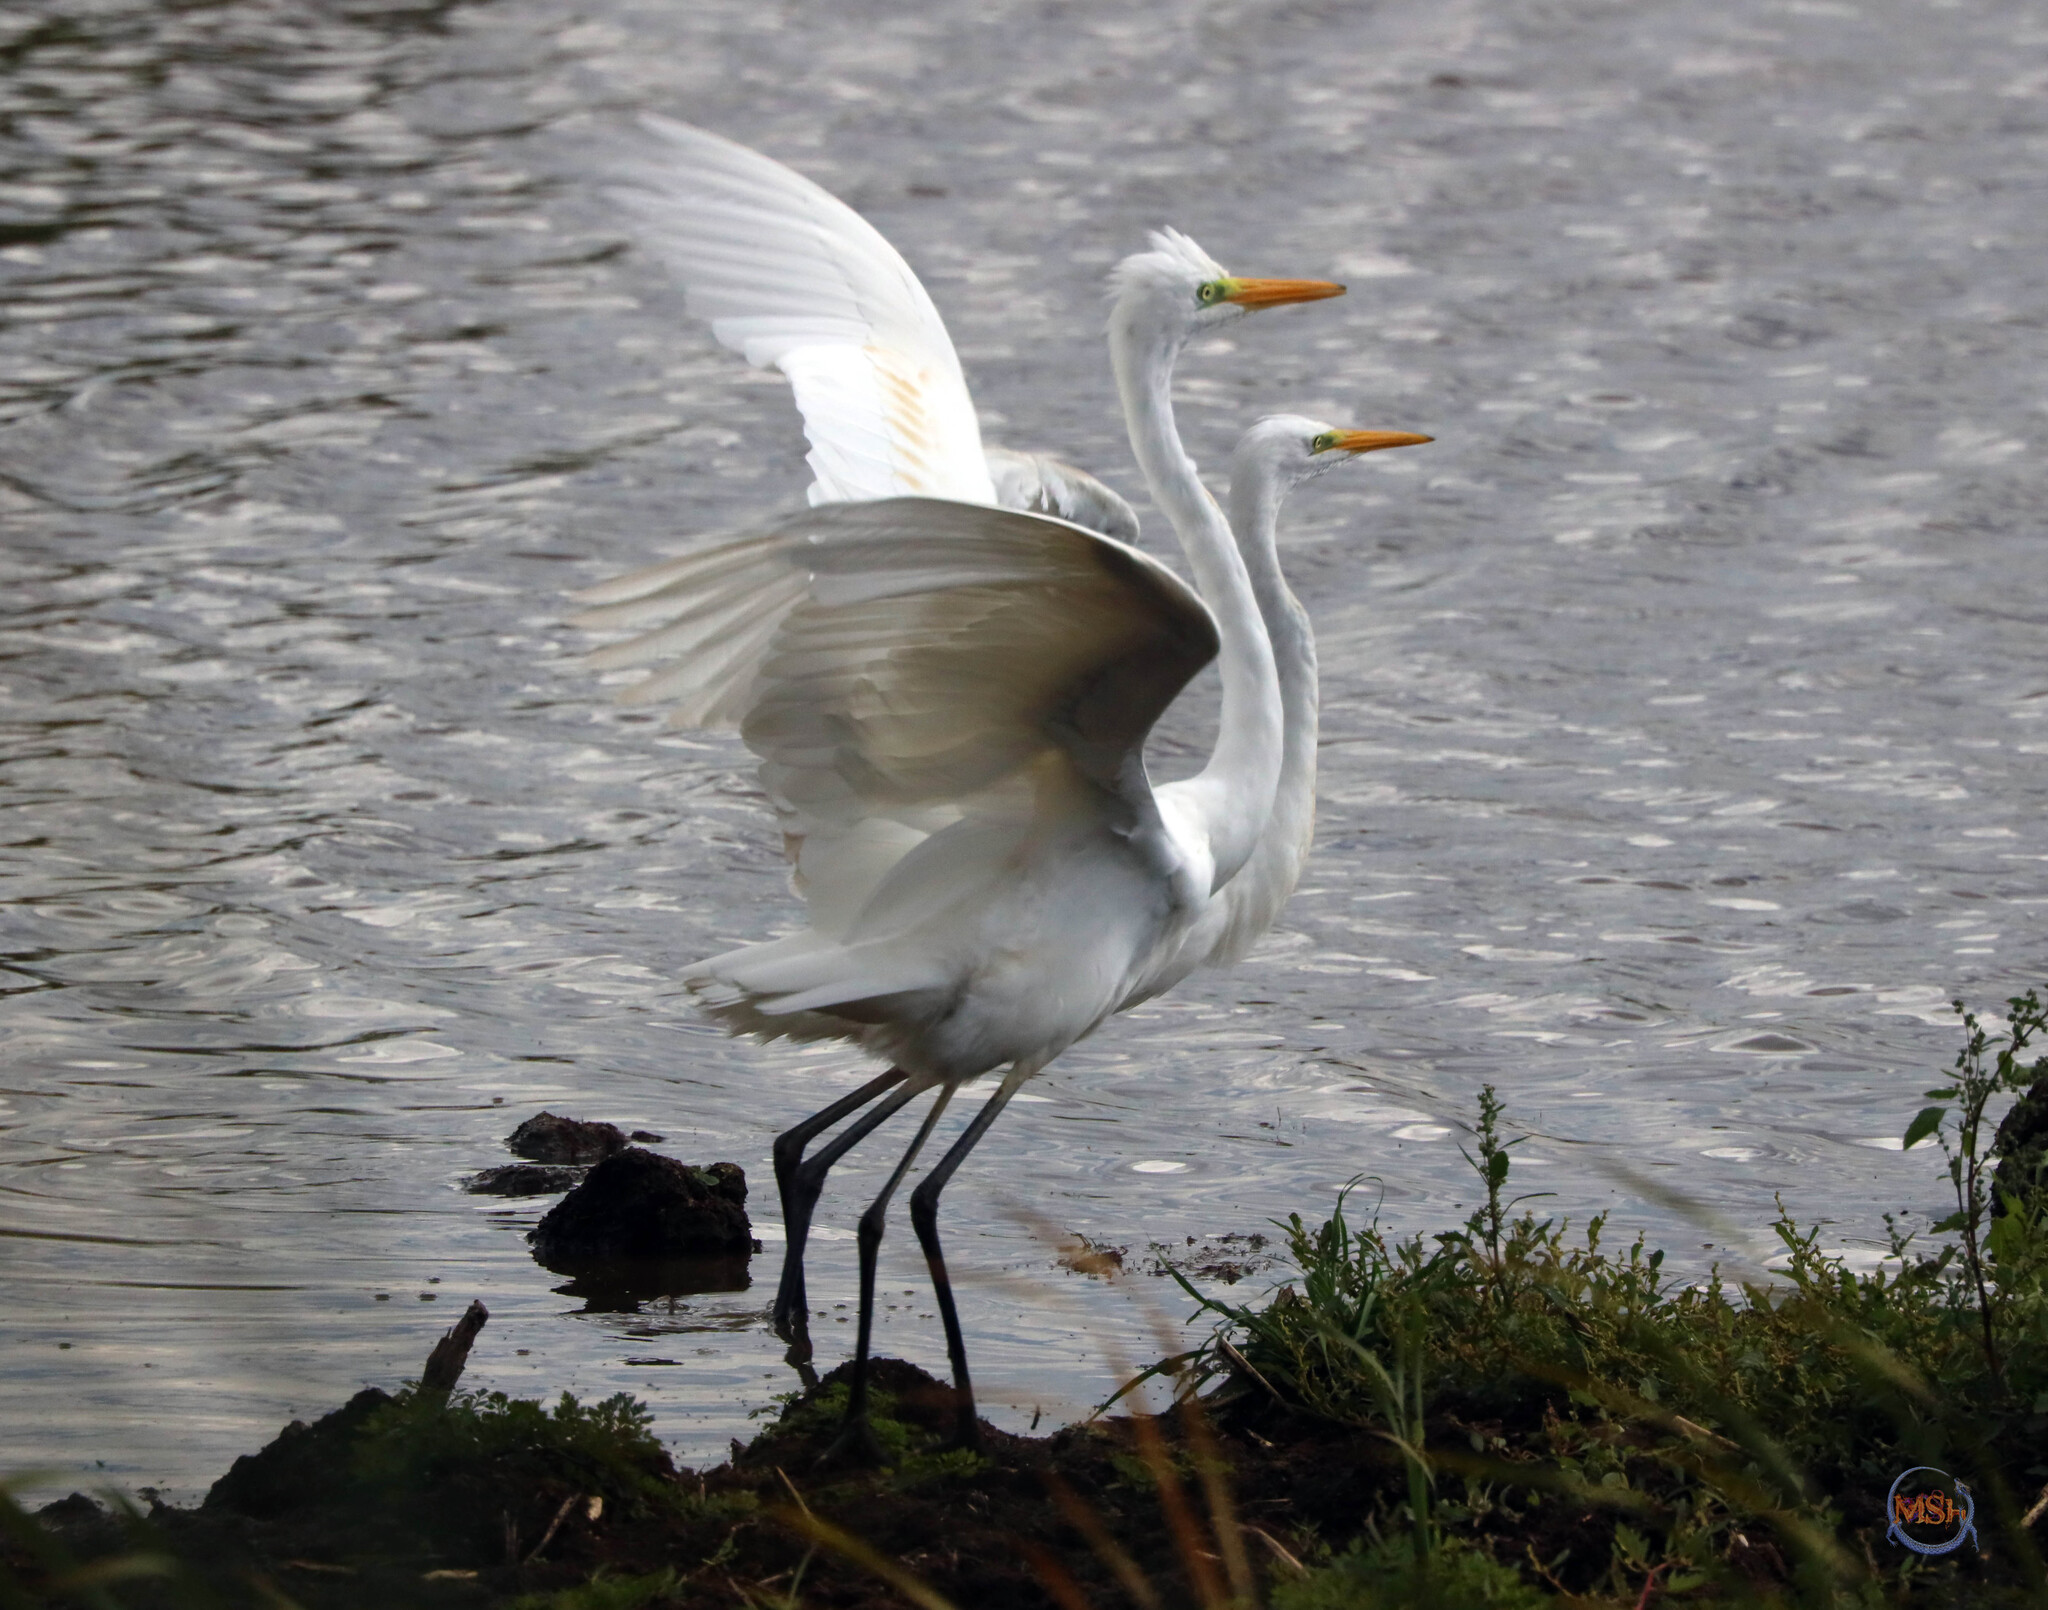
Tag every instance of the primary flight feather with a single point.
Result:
(791, 277)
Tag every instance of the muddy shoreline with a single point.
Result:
(328, 1515)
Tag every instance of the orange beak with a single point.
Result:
(1255, 294)
(1371, 441)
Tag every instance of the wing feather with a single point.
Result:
(942, 648)
(790, 276)
(904, 666)
(1043, 484)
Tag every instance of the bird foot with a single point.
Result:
(794, 1329)
(966, 1435)
(856, 1444)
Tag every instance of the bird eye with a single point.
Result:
(1323, 443)
(1212, 293)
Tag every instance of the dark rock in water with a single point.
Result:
(525, 1179)
(306, 1464)
(550, 1138)
(648, 1136)
(639, 1205)
(2021, 1147)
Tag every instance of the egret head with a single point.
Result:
(1176, 288)
(1287, 449)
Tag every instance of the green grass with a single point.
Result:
(1453, 1576)
(1566, 1409)
(911, 1456)
(453, 1466)
(418, 1442)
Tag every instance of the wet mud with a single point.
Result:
(330, 1514)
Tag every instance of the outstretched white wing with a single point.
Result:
(942, 648)
(704, 623)
(790, 276)
(906, 666)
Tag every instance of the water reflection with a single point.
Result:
(630, 1286)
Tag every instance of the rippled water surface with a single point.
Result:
(1683, 703)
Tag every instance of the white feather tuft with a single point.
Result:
(1174, 260)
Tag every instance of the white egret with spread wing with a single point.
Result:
(977, 685)
(788, 275)
(958, 755)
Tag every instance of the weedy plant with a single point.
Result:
(1987, 1066)
(1565, 1417)
(421, 1441)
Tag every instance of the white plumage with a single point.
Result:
(949, 713)
(1273, 457)
(1042, 484)
(789, 276)
(792, 278)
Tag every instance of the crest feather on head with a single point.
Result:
(1173, 260)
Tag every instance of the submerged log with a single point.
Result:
(451, 1352)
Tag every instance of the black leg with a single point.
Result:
(790, 1144)
(856, 1432)
(796, 1209)
(800, 1183)
(924, 1218)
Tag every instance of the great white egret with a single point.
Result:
(1274, 456)
(790, 276)
(987, 879)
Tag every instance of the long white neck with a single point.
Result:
(1250, 903)
(1255, 498)
(1233, 795)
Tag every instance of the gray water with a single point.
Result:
(1683, 702)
